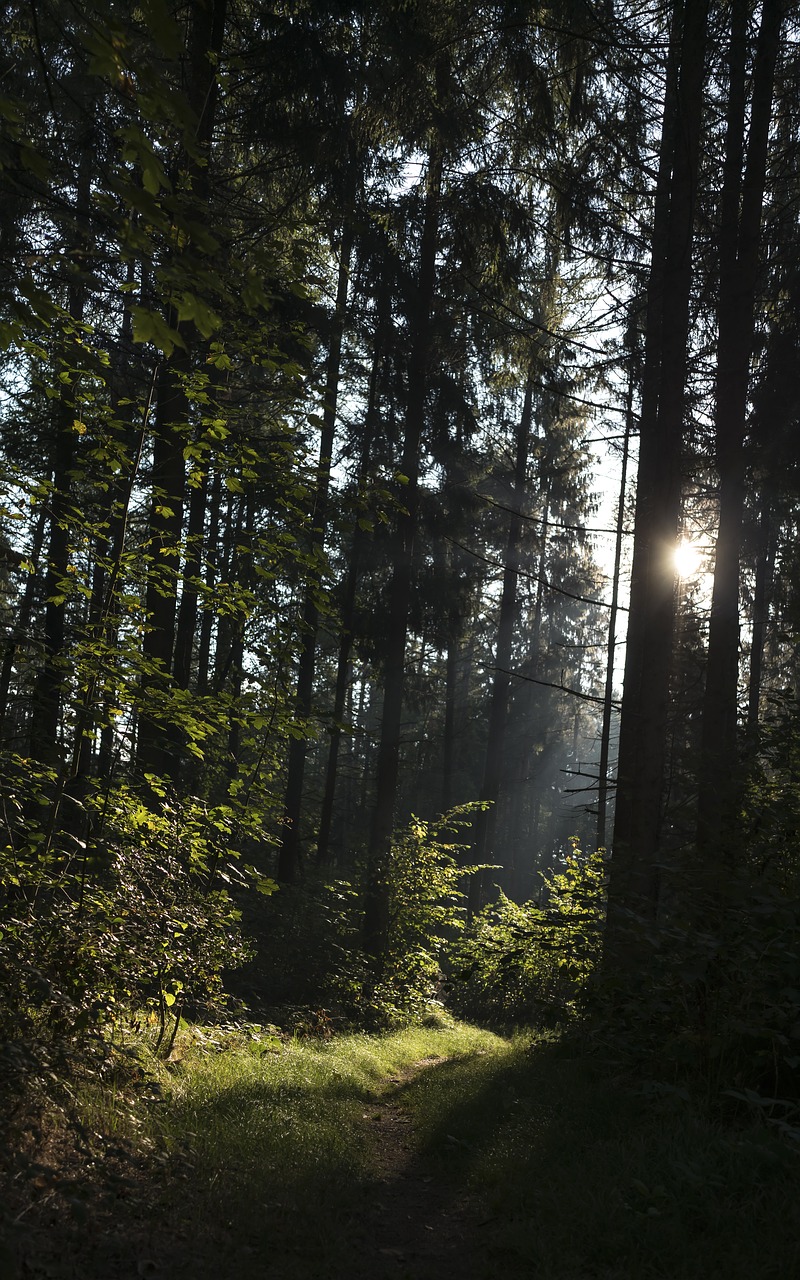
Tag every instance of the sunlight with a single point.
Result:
(688, 558)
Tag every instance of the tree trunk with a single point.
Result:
(494, 762)
(158, 740)
(376, 911)
(605, 732)
(742, 200)
(640, 773)
(765, 565)
(289, 855)
(47, 694)
(207, 619)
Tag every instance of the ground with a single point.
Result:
(121, 1215)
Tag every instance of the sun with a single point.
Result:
(688, 558)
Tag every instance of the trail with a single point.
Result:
(419, 1225)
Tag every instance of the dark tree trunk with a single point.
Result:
(289, 855)
(605, 731)
(494, 762)
(643, 725)
(21, 628)
(159, 739)
(47, 694)
(351, 586)
(190, 594)
(742, 200)
(454, 629)
(765, 566)
(377, 903)
(207, 619)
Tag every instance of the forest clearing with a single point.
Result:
(400, 638)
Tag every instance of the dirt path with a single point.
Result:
(419, 1226)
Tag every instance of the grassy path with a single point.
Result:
(440, 1152)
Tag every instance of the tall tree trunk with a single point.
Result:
(382, 333)
(494, 762)
(740, 238)
(190, 594)
(605, 731)
(454, 630)
(376, 913)
(158, 740)
(47, 694)
(765, 565)
(640, 774)
(21, 628)
(207, 619)
(289, 854)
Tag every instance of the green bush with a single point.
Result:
(310, 957)
(531, 962)
(93, 928)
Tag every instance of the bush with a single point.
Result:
(531, 963)
(92, 929)
(310, 955)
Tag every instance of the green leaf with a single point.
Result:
(190, 307)
(150, 326)
(162, 27)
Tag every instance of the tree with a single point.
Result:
(640, 770)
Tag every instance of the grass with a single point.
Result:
(583, 1176)
(258, 1161)
(272, 1138)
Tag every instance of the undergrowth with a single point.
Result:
(581, 1174)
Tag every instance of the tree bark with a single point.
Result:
(605, 731)
(494, 762)
(289, 854)
(633, 884)
(740, 237)
(376, 912)
(765, 566)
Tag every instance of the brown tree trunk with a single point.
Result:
(765, 566)
(494, 762)
(289, 854)
(376, 913)
(158, 740)
(605, 731)
(742, 200)
(48, 688)
(633, 884)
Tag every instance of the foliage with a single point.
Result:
(310, 954)
(714, 1006)
(141, 918)
(532, 962)
(427, 912)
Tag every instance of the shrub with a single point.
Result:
(531, 962)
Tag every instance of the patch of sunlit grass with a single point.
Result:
(271, 1134)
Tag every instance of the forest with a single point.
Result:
(400, 601)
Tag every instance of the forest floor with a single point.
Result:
(440, 1152)
(127, 1205)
